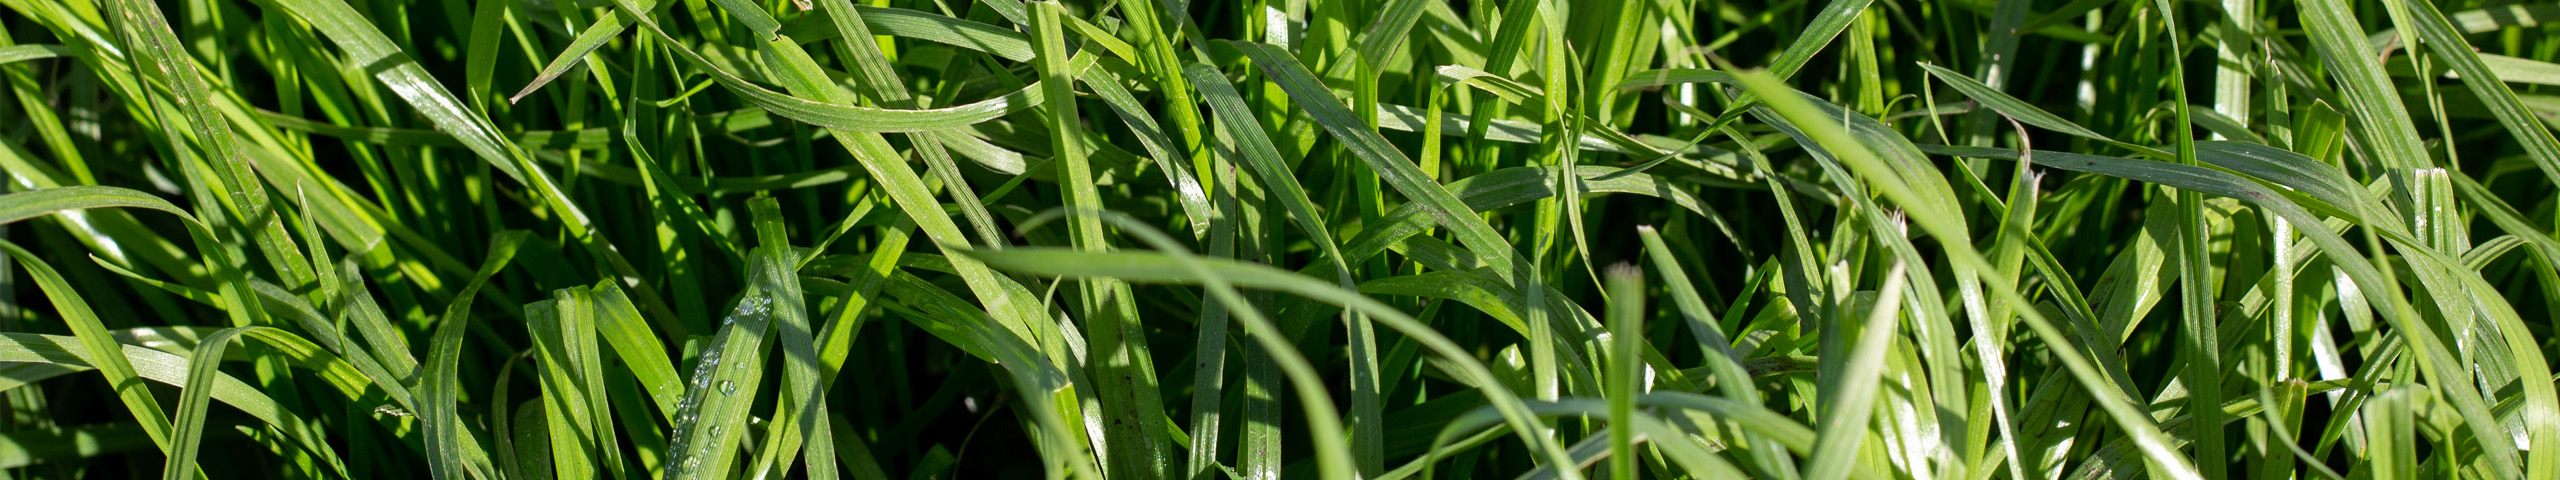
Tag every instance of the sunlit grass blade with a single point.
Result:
(30, 204)
(1120, 353)
(2323, 289)
(1626, 324)
(804, 398)
(712, 418)
(93, 336)
(1795, 108)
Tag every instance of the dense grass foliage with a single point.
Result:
(1278, 239)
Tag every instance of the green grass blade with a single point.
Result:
(1129, 397)
(1845, 420)
(1799, 111)
(440, 390)
(93, 336)
(2370, 99)
(623, 329)
(1142, 267)
(1626, 325)
(1390, 164)
(804, 372)
(712, 418)
(36, 203)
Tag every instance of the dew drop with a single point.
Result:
(728, 387)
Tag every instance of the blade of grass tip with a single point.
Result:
(187, 428)
(1128, 389)
(594, 36)
(1798, 110)
(171, 369)
(1932, 329)
(44, 201)
(363, 43)
(438, 394)
(530, 439)
(1390, 164)
(640, 350)
(93, 335)
(1626, 326)
(2015, 240)
(1844, 425)
(1241, 130)
(1186, 186)
(1399, 171)
(499, 427)
(19, 53)
(2022, 111)
(2392, 436)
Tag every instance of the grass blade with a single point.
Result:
(439, 393)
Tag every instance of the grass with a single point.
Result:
(1137, 239)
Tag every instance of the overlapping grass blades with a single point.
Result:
(1293, 239)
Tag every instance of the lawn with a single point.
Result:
(1279, 239)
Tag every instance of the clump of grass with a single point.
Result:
(1257, 239)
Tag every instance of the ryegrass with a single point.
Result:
(1253, 239)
